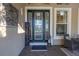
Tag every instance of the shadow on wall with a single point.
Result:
(11, 31)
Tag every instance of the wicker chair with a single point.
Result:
(71, 43)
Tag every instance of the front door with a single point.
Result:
(39, 24)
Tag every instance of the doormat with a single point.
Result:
(69, 53)
(38, 48)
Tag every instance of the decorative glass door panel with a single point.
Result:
(38, 26)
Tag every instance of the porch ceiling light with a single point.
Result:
(61, 13)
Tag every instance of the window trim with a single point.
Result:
(68, 23)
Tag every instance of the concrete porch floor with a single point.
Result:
(52, 51)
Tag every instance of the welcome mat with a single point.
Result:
(39, 48)
(69, 53)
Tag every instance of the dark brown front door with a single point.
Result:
(39, 23)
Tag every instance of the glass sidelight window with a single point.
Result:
(61, 22)
(30, 22)
(47, 33)
(47, 21)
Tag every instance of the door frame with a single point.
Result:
(51, 18)
(43, 11)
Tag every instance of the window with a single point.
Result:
(61, 22)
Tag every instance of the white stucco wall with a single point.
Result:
(13, 43)
(12, 39)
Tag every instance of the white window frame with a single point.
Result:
(51, 18)
(68, 23)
